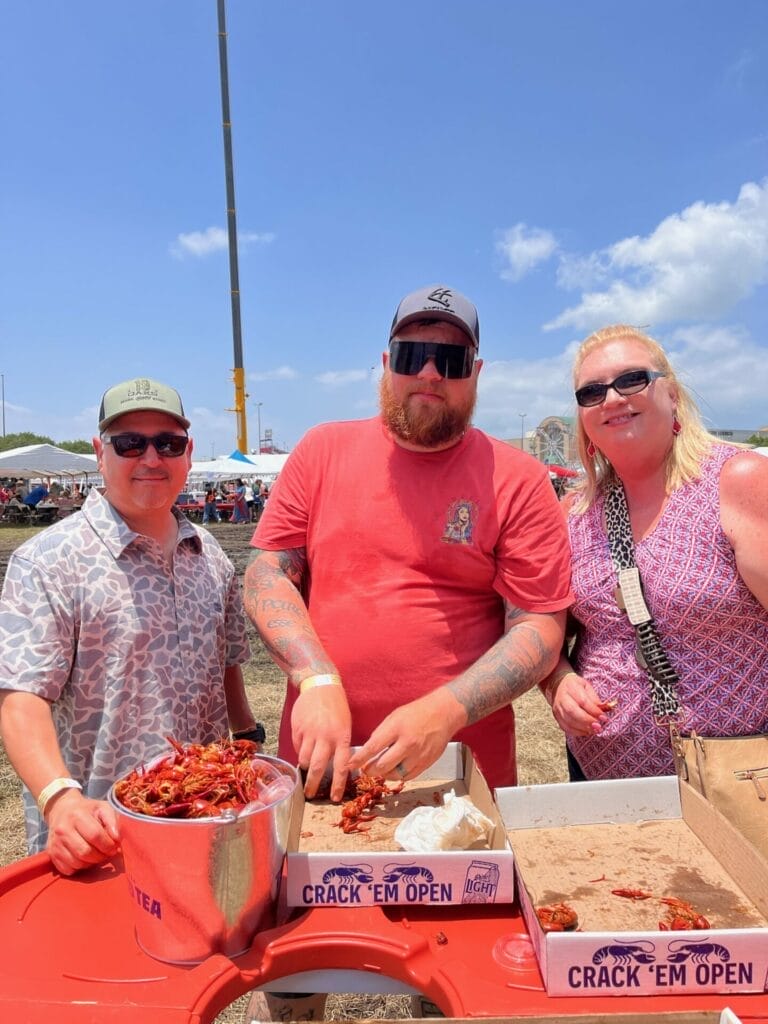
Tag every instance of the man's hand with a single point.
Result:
(320, 720)
(81, 832)
(321, 729)
(411, 737)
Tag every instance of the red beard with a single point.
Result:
(428, 426)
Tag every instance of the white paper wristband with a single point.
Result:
(326, 679)
(50, 791)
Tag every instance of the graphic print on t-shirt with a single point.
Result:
(460, 522)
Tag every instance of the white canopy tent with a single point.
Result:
(265, 466)
(38, 460)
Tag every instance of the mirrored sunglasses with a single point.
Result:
(133, 446)
(630, 383)
(454, 362)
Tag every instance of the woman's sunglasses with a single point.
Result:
(629, 383)
(454, 362)
(133, 446)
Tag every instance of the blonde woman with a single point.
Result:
(697, 512)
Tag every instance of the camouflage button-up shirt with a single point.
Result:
(127, 648)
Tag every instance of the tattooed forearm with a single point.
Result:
(265, 564)
(298, 657)
(271, 586)
(269, 571)
(269, 604)
(526, 653)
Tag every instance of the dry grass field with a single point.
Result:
(541, 759)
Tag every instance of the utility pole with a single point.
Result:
(258, 418)
(234, 279)
(522, 416)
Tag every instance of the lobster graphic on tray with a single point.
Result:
(639, 952)
(349, 873)
(698, 952)
(410, 872)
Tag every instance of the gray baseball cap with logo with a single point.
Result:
(438, 302)
(140, 395)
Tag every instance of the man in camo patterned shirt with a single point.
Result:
(119, 625)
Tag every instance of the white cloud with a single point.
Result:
(340, 378)
(279, 373)
(581, 271)
(695, 265)
(535, 387)
(726, 371)
(522, 248)
(213, 239)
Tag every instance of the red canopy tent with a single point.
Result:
(555, 470)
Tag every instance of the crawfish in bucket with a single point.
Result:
(202, 781)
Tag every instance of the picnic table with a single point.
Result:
(42, 514)
(194, 509)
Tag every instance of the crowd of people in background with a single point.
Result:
(238, 501)
(21, 496)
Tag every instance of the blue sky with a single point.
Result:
(566, 165)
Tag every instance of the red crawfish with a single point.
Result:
(558, 917)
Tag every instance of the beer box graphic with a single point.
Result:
(327, 867)
(680, 840)
(482, 882)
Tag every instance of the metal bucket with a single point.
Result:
(204, 885)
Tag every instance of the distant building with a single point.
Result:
(552, 442)
(737, 436)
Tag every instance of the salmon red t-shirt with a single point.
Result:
(410, 555)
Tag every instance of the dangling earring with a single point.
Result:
(591, 450)
(676, 426)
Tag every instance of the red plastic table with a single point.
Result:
(69, 955)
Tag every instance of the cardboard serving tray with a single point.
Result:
(576, 842)
(327, 867)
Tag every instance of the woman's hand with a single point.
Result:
(576, 707)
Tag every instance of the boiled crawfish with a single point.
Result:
(681, 916)
(632, 894)
(365, 791)
(558, 917)
(200, 781)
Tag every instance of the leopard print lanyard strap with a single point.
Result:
(629, 596)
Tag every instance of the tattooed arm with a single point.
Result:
(416, 734)
(320, 721)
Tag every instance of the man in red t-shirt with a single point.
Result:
(411, 573)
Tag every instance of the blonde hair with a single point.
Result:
(691, 445)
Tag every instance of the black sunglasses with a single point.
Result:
(629, 383)
(132, 446)
(454, 362)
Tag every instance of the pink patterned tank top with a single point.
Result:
(713, 630)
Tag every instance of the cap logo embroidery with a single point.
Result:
(442, 296)
(142, 389)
